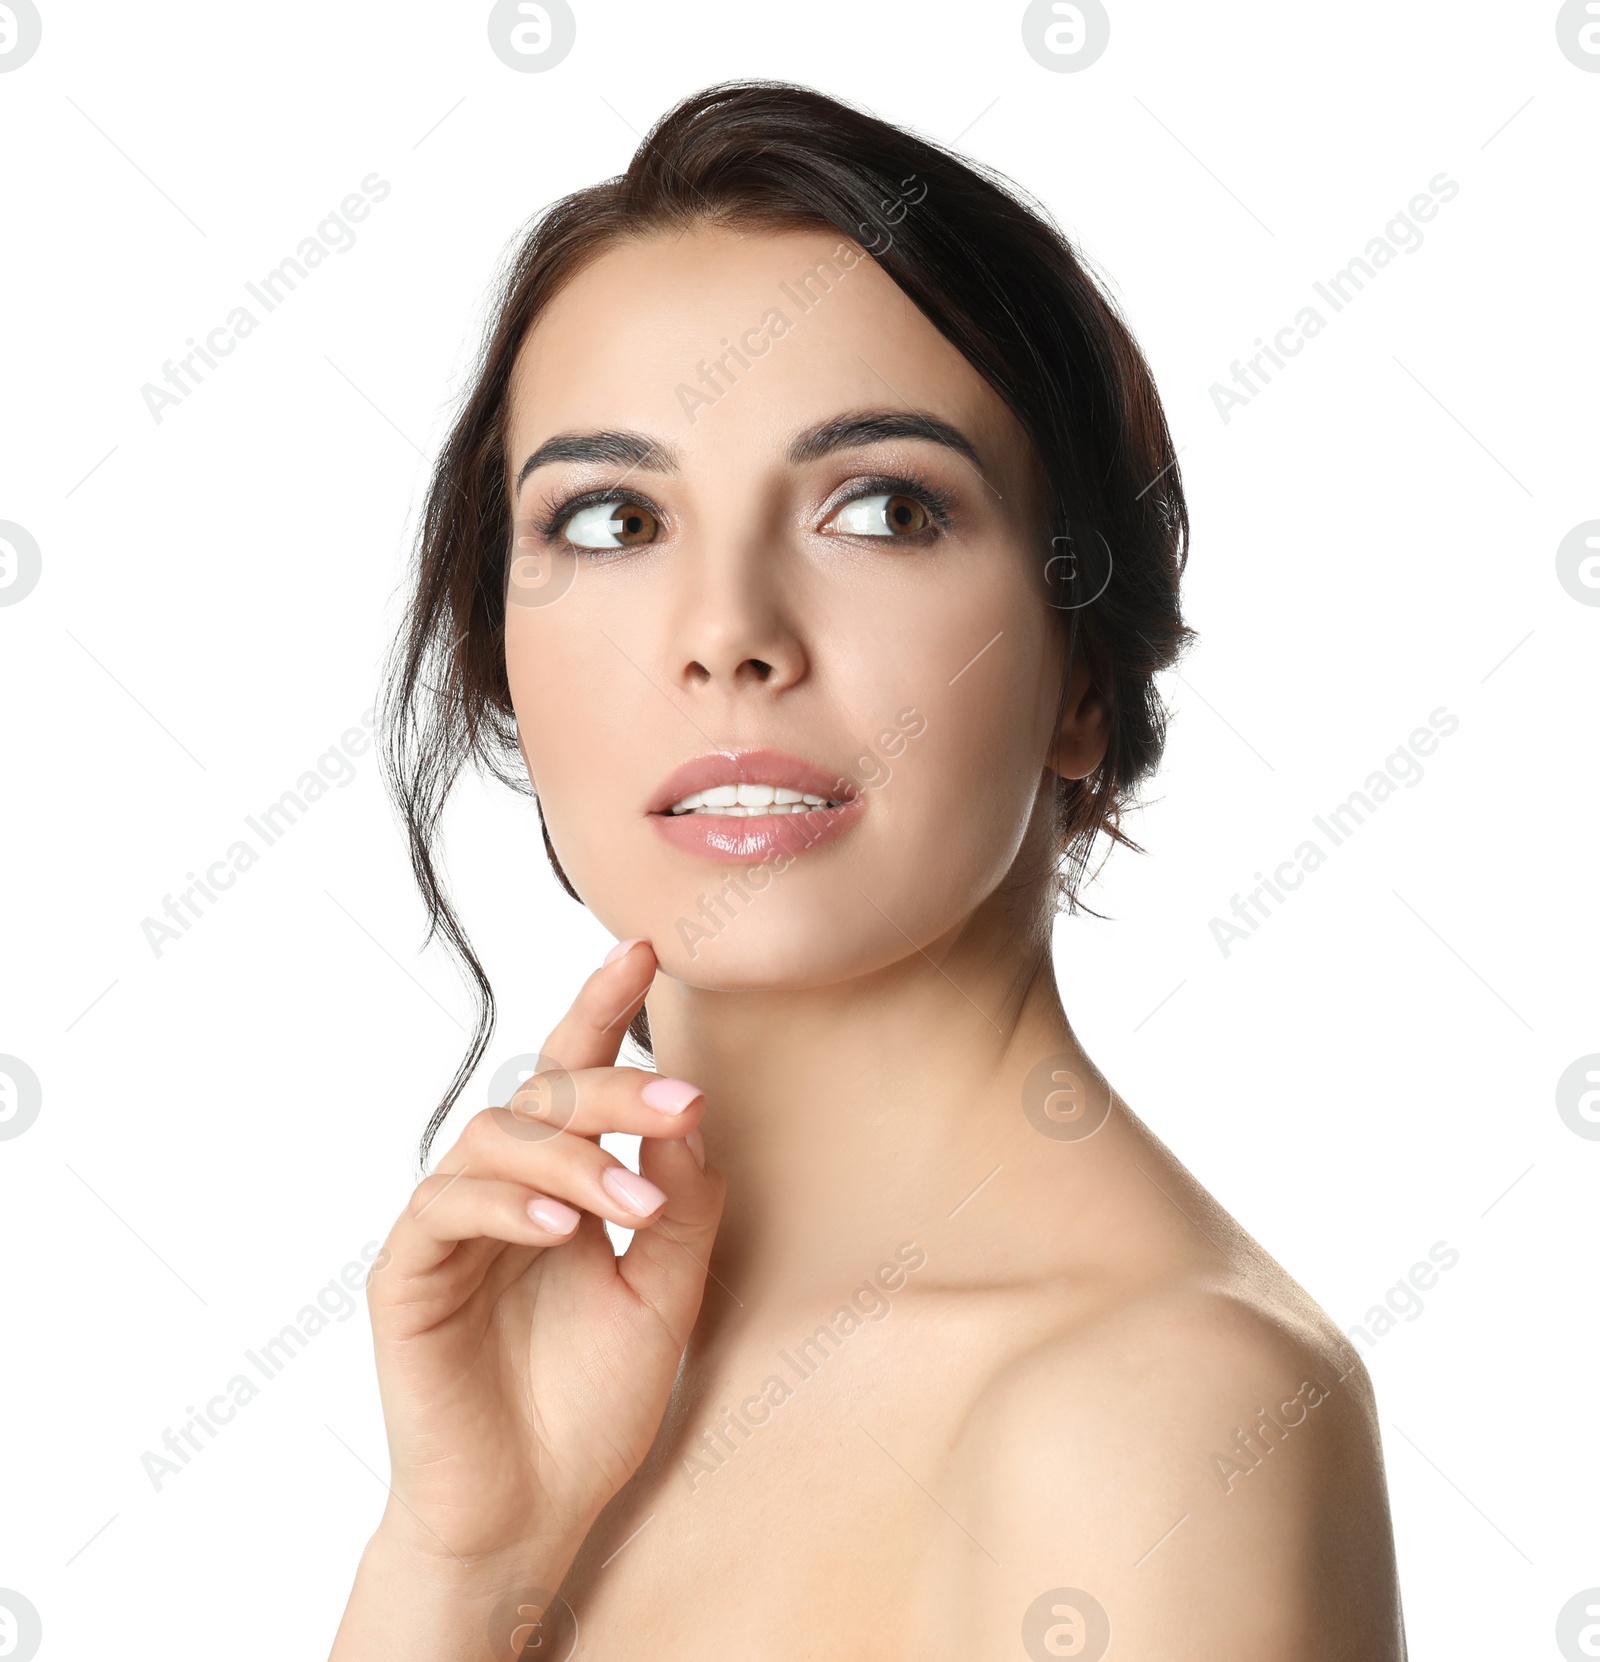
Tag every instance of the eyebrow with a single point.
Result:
(865, 427)
(625, 449)
(847, 432)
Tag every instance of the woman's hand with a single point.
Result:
(524, 1368)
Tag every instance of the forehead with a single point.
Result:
(650, 337)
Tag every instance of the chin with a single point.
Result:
(818, 935)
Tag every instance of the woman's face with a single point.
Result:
(776, 532)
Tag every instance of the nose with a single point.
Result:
(734, 626)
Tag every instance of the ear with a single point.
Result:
(1085, 730)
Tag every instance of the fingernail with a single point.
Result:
(697, 1147)
(629, 1189)
(671, 1096)
(620, 949)
(551, 1214)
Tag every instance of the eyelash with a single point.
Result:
(555, 513)
(936, 501)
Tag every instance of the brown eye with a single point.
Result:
(882, 516)
(906, 515)
(618, 524)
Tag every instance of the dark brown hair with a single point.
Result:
(989, 269)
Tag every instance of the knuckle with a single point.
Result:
(533, 1098)
(424, 1195)
(375, 1283)
(548, 1099)
(480, 1133)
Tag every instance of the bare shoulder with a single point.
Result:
(1195, 1469)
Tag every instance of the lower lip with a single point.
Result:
(757, 838)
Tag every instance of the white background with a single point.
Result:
(226, 1124)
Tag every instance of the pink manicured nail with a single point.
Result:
(697, 1147)
(553, 1215)
(620, 948)
(629, 1189)
(671, 1096)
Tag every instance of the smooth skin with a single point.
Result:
(1013, 1367)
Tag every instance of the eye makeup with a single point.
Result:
(938, 503)
(557, 511)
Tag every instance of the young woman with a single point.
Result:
(809, 542)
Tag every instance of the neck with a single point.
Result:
(847, 1118)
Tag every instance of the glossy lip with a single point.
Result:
(754, 838)
(748, 767)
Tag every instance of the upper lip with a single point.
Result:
(748, 767)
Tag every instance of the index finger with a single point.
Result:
(591, 1032)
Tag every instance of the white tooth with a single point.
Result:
(746, 801)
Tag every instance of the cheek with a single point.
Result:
(955, 780)
(533, 671)
(567, 716)
(961, 795)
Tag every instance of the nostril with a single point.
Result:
(762, 670)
